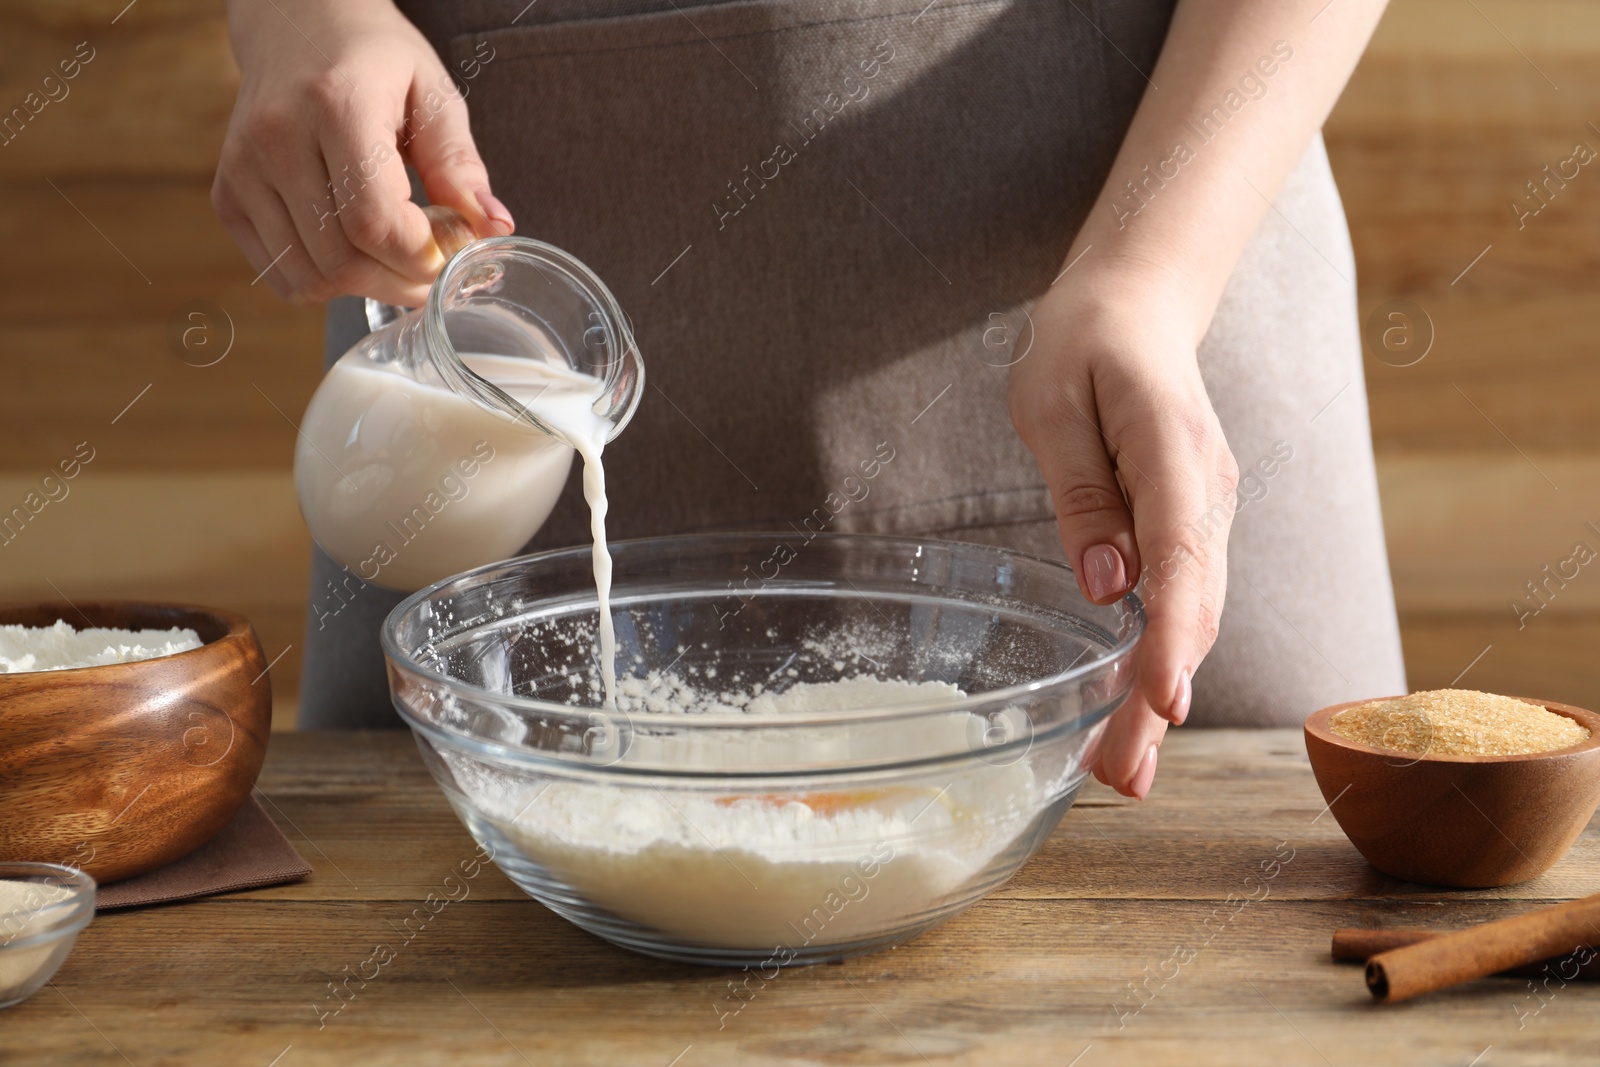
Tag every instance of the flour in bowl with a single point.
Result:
(27, 909)
(809, 865)
(665, 693)
(60, 647)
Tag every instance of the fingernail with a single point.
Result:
(1180, 699)
(497, 212)
(1102, 569)
(1145, 775)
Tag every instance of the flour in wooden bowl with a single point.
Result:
(61, 647)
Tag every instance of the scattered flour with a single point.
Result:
(766, 870)
(58, 647)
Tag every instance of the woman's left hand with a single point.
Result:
(1109, 400)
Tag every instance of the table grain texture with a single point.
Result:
(1192, 928)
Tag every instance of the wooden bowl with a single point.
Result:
(1466, 821)
(122, 768)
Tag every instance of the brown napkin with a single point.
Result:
(248, 853)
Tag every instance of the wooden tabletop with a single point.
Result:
(1117, 944)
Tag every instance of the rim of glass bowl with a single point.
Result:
(66, 916)
(1121, 650)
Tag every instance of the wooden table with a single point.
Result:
(1043, 972)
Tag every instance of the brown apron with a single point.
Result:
(825, 219)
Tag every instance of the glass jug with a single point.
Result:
(419, 456)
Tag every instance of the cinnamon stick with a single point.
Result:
(1402, 973)
(1361, 944)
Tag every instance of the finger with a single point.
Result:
(437, 139)
(1128, 750)
(371, 194)
(280, 243)
(226, 203)
(1096, 528)
(341, 268)
(1182, 515)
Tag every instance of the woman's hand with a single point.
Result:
(335, 97)
(1109, 398)
(1110, 402)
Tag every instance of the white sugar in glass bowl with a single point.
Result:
(821, 747)
(43, 906)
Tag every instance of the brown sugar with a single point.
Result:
(1457, 722)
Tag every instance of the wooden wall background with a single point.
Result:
(1489, 448)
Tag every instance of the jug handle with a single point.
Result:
(451, 233)
(380, 314)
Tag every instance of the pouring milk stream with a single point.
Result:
(441, 440)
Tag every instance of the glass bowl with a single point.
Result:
(43, 906)
(810, 823)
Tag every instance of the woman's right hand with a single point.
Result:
(345, 92)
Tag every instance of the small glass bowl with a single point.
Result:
(741, 835)
(38, 930)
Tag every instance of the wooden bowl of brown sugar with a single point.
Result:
(1457, 788)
